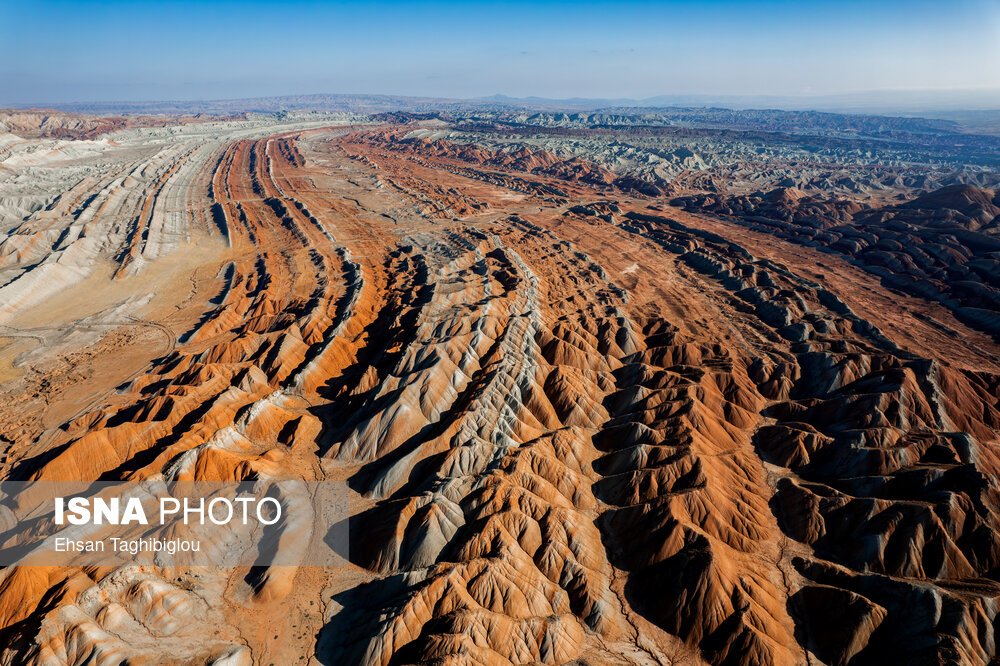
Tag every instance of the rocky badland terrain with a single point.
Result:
(659, 387)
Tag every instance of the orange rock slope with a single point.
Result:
(579, 426)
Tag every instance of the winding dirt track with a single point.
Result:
(577, 426)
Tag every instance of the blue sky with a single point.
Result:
(103, 51)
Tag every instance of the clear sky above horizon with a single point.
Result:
(129, 51)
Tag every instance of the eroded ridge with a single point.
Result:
(231, 403)
(580, 425)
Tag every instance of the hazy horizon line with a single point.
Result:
(635, 98)
(857, 101)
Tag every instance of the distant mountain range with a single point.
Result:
(877, 101)
(932, 103)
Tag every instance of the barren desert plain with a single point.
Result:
(636, 386)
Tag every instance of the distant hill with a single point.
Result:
(971, 103)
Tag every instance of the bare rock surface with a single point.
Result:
(589, 409)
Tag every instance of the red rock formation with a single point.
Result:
(576, 430)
